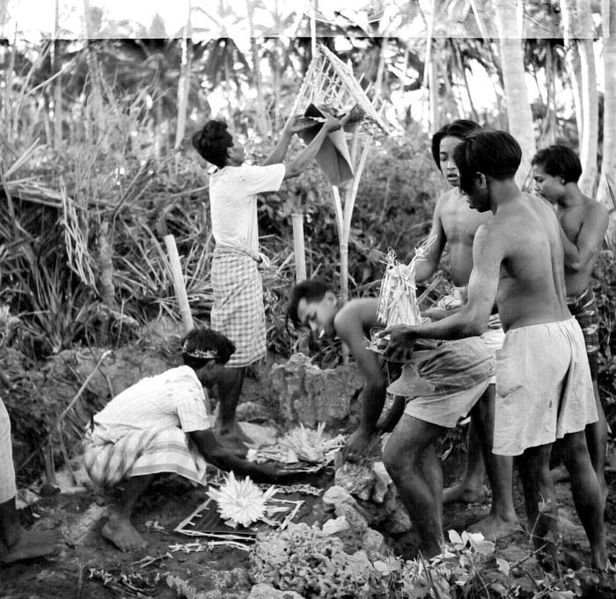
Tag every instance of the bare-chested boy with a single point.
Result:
(583, 223)
(454, 225)
(544, 387)
(453, 378)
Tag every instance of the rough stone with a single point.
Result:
(335, 525)
(310, 395)
(357, 479)
(373, 543)
(266, 591)
(336, 495)
(382, 482)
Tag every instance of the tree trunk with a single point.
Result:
(577, 21)
(184, 82)
(607, 184)
(57, 86)
(519, 113)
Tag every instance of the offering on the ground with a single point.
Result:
(240, 502)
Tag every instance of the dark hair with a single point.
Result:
(559, 161)
(311, 290)
(460, 129)
(202, 345)
(496, 154)
(212, 142)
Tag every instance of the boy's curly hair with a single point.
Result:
(202, 345)
(212, 141)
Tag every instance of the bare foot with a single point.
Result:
(461, 493)
(122, 534)
(232, 431)
(233, 443)
(29, 545)
(493, 527)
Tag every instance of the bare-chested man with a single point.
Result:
(454, 225)
(583, 223)
(453, 378)
(544, 387)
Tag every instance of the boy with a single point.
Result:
(583, 223)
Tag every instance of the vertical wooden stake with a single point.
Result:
(178, 282)
(298, 246)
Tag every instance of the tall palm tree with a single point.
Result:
(607, 184)
(577, 21)
(519, 114)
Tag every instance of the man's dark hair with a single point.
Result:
(202, 345)
(496, 154)
(311, 290)
(460, 129)
(212, 142)
(559, 161)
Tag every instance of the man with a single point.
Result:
(583, 223)
(543, 383)
(238, 310)
(454, 226)
(160, 425)
(453, 378)
(16, 544)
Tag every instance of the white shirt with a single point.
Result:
(174, 398)
(233, 202)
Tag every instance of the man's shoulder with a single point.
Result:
(355, 316)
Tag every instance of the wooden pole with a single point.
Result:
(298, 246)
(178, 282)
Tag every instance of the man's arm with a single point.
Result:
(301, 161)
(427, 266)
(581, 251)
(472, 319)
(218, 456)
(372, 397)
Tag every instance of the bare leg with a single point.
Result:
(502, 519)
(587, 495)
(470, 488)
(17, 544)
(596, 439)
(387, 422)
(229, 391)
(541, 506)
(118, 529)
(411, 461)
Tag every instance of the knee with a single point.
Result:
(575, 449)
(398, 460)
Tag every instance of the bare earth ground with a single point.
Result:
(89, 567)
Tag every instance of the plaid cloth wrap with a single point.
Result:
(238, 310)
(8, 488)
(141, 453)
(584, 307)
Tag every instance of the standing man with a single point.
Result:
(238, 310)
(454, 226)
(543, 382)
(583, 223)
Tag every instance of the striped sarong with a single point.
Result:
(142, 453)
(238, 310)
(8, 488)
(584, 307)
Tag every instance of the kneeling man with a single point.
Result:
(160, 425)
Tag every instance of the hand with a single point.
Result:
(298, 123)
(332, 123)
(358, 445)
(397, 342)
